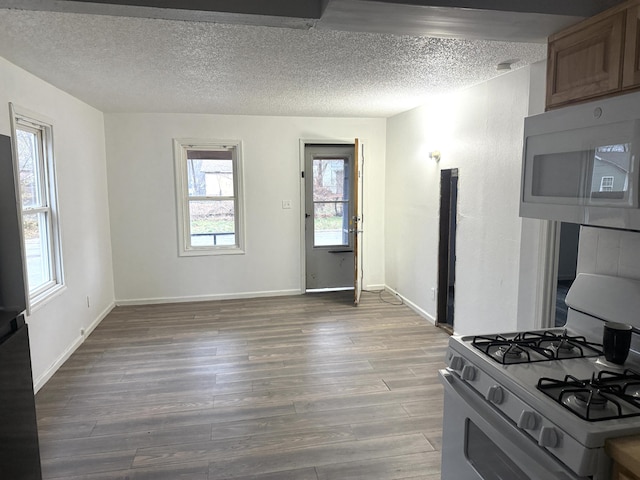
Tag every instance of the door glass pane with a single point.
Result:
(487, 458)
(212, 223)
(330, 202)
(37, 249)
(330, 224)
(330, 180)
(611, 167)
(211, 178)
(27, 145)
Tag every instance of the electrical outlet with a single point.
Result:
(88, 302)
(433, 293)
(286, 204)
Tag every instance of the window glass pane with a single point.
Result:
(37, 249)
(330, 224)
(329, 180)
(27, 145)
(211, 178)
(212, 222)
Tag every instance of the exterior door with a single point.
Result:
(329, 212)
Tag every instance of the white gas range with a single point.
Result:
(540, 405)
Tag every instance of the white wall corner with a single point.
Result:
(423, 313)
(41, 381)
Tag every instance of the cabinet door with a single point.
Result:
(631, 69)
(586, 62)
(621, 473)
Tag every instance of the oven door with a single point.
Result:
(479, 443)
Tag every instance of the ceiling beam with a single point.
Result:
(574, 8)
(510, 20)
(307, 9)
(278, 8)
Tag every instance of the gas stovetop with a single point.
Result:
(529, 347)
(605, 396)
(557, 355)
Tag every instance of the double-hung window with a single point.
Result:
(33, 142)
(606, 184)
(209, 196)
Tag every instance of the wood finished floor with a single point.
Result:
(287, 388)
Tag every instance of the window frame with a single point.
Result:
(25, 120)
(181, 146)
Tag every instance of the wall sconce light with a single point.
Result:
(435, 155)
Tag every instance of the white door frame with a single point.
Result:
(548, 273)
(537, 289)
(303, 252)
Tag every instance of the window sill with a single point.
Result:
(45, 297)
(211, 252)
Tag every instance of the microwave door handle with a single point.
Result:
(587, 174)
(509, 438)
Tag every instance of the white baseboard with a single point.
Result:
(375, 288)
(411, 305)
(99, 319)
(206, 298)
(44, 378)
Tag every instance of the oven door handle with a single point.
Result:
(509, 438)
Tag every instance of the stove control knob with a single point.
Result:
(456, 362)
(528, 420)
(468, 373)
(495, 394)
(548, 437)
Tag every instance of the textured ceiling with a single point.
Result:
(126, 64)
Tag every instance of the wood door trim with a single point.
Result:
(357, 283)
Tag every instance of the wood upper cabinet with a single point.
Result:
(631, 61)
(586, 62)
(597, 57)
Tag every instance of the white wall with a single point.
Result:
(479, 131)
(143, 205)
(533, 233)
(78, 132)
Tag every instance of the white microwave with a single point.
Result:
(581, 164)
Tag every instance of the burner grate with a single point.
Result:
(528, 347)
(603, 397)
